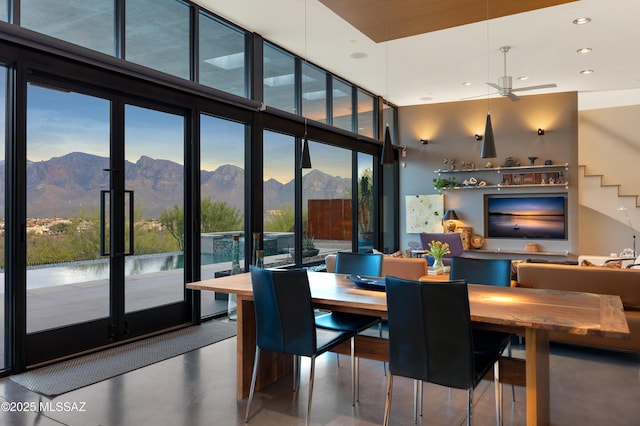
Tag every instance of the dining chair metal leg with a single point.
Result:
(296, 372)
(311, 377)
(254, 375)
(416, 404)
(513, 388)
(498, 392)
(470, 407)
(418, 386)
(387, 404)
(420, 393)
(384, 363)
(355, 379)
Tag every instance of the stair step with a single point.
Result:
(607, 199)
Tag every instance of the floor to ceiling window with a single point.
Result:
(157, 35)
(222, 56)
(67, 153)
(3, 112)
(4, 10)
(88, 23)
(342, 105)
(222, 180)
(366, 114)
(326, 199)
(366, 210)
(314, 93)
(279, 78)
(154, 170)
(279, 198)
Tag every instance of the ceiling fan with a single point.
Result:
(505, 87)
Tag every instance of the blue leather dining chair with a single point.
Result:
(285, 323)
(487, 272)
(431, 339)
(368, 264)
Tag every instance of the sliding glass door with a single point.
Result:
(154, 188)
(67, 168)
(104, 219)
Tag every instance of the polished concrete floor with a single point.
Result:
(588, 387)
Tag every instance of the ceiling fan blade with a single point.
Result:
(479, 96)
(495, 86)
(513, 97)
(542, 86)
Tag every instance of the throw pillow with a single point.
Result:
(615, 264)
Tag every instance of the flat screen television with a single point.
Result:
(526, 216)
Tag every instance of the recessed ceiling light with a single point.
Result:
(524, 78)
(358, 55)
(466, 83)
(586, 72)
(581, 21)
(426, 98)
(584, 50)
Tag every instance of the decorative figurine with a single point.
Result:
(510, 162)
(548, 162)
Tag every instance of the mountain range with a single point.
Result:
(60, 185)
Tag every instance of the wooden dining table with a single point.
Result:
(531, 313)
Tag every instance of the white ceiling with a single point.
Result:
(431, 68)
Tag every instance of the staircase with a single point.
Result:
(607, 200)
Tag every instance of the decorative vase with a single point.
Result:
(437, 263)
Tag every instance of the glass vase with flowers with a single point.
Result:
(437, 249)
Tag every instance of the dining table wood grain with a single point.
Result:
(531, 313)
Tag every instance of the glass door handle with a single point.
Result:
(131, 223)
(104, 196)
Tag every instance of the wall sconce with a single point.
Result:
(540, 132)
(478, 137)
(424, 141)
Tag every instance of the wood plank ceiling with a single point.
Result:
(383, 20)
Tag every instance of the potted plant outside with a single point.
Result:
(365, 208)
(309, 247)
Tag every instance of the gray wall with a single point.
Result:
(450, 129)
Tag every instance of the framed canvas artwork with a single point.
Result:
(424, 213)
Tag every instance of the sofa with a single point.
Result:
(401, 267)
(591, 279)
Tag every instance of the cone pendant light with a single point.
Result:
(305, 160)
(488, 145)
(387, 150)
